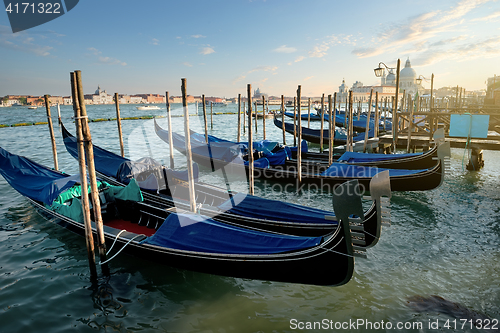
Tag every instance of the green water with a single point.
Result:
(442, 242)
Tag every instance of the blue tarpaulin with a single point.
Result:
(33, 180)
(357, 157)
(121, 168)
(193, 232)
(105, 161)
(228, 151)
(251, 206)
(358, 171)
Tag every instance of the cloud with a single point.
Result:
(105, 60)
(22, 42)
(207, 50)
(187, 64)
(198, 36)
(298, 59)
(155, 41)
(271, 69)
(285, 49)
(418, 29)
(486, 48)
(320, 50)
(490, 17)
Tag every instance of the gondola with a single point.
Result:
(313, 176)
(310, 116)
(410, 161)
(186, 240)
(314, 135)
(358, 123)
(234, 208)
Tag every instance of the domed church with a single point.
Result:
(407, 80)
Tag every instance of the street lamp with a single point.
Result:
(379, 72)
(420, 78)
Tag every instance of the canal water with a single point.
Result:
(441, 242)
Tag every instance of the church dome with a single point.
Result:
(390, 79)
(408, 72)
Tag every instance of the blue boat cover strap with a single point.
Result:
(357, 157)
(357, 171)
(200, 233)
(266, 209)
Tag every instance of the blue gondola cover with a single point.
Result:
(252, 206)
(200, 233)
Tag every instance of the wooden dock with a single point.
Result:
(423, 142)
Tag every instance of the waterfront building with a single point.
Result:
(99, 97)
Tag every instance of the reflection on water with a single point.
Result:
(441, 242)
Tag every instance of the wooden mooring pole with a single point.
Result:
(368, 122)
(299, 146)
(211, 115)
(89, 239)
(294, 122)
(170, 139)
(250, 143)
(322, 123)
(205, 117)
(59, 114)
(51, 130)
(283, 118)
(244, 121)
(238, 139)
(263, 117)
(119, 123)
(89, 152)
(189, 156)
(331, 130)
(377, 118)
(395, 120)
(309, 113)
(256, 122)
(350, 130)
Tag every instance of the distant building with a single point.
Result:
(152, 98)
(361, 93)
(258, 95)
(67, 100)
(99, 97)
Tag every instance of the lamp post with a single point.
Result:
(378, 73)
(419, 82)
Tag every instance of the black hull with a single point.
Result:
(310, 135)
(426, 160)
(329, 264)
(214, 196)
(425, 180)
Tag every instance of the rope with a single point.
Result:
(117, 236)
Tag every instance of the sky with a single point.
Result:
(220, 46)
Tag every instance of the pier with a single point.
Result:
(418, 128)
